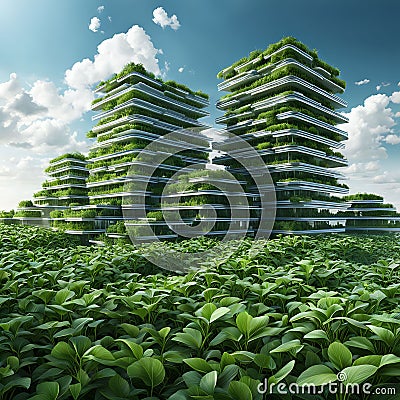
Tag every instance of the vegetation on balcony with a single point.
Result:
(272, 48)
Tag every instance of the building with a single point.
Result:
(135, 109)
(283, 101)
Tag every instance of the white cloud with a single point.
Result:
(392, 139)
(397, 115)
(368, 124)
(371, 129)
(95, 24)
(109, 19)
(378, 88)
(395, 97)
(35, 121)
(362, 82)
(100, 9)
(112, 55)
(181, 69)
(161, 18)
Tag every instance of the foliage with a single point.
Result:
(25, 203)
(77, 156)
(104, 323)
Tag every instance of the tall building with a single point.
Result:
(135, 109)
(283, 102)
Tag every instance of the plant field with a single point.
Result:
(103, 323)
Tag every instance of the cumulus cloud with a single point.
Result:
(392, 139)
(95, 24)
(100, 9)
(181, 69)
(112, 55)
(362, 82)
(395, 97)
(368, 125)
(161, 18)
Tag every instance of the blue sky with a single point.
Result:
(45, 84)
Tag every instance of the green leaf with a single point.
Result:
(292, 345)
(360, 342)
(198, 364)
(208, 382)
(384, 334)
(119, 386)
(63, 351)
(339, 355)
(75, 390)
(316, 334)
(191, 337)
(369, 360)
(135, 348)
(164, 332)
(389, 359)
(358, 373)
(282, 373)
(227, 375)
(48, 390)
(240, 391)
(316, 375)
(149, 370)
(264, 361)
(218, 313)
(243, 320)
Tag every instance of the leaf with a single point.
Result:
(292, 345)
(264, 361)
(360, 342)
(243, 320)
(339, 355)
(282, 373)
(227, 375)
(75, 390)
(389, 359)
(369, 360)
(191, 337)
(164, 332)
(208, 382)
(316, 334)
(149, 370)
(119, 386)
(63, 351)
(384, 334)
(240, 391)
(218, 313)
(48, 390)
(198, 364)
(316, 375)
(358, 373)
(136, 349)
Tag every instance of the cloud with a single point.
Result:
(112, 55)
(368, 125)
(363, 82)
(24, 105)
(95, 24)
(109, 19)
(397, 115)
(100, 9)
(381, 85)
(392, 139)
(395, 97)
(161, 18)
(181, 69)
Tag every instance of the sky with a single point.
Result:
(54, 52)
